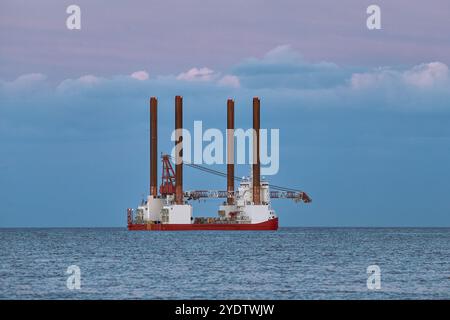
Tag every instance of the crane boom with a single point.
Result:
(297, 196)
(168, 186)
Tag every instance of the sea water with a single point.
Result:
(291, 263)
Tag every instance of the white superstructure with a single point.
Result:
(165, 211)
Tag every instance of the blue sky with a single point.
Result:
(364, 116)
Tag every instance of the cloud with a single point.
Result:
(230, 81)
(195, 74)
(94, 104)
(88, 79)
(24, 82)
(426, 75)
(282, 54)
(208, 75)
(140, 75)
(29, 78)
(83, 82)
(282, 67)
(375, 78)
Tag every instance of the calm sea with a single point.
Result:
(292, 263)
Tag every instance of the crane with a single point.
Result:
(168, 187)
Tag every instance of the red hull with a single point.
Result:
(266, 225)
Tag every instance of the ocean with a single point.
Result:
(291, 263)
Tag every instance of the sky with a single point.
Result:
(364, 115)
